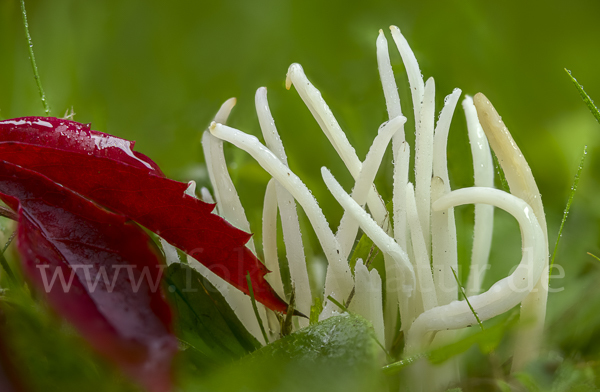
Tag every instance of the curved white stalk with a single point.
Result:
(424, 161)
(367, 300)
(338, 281)
(287, 207)
(425, 284)
(444, 252)
(522, 184)
(483, 173)
(225, 110)
(516, 170)
(228, 201)
(348, 227)
(504, 294)
(400, 275)
(384, 242)
(191, 189)
(321, 112)
(415, 79)
(269, 234)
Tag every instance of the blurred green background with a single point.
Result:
(156, 72)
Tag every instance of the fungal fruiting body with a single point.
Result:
(419, 245)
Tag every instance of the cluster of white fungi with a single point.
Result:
(418, 243)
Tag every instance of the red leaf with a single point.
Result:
(110, 268)
(69, 135)
(106, 170)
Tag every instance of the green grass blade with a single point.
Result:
(36, 75)
(462, 291)
(586, 98)
(262, 328)
(4, 262)
(337, 303)
(568, 207)
(594, 256)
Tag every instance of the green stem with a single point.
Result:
(36, 75)
(568, 207)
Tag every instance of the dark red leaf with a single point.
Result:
(106, 170)
(110, 268)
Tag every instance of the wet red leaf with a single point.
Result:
(98, 269)
(106, 170)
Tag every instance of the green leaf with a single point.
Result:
(205, 322)
(337, 354)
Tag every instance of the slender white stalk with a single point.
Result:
(225, 110)
(228, 201)
(483, 173)
(504, 294)
(269, 237)
(443, 228)
(206, 196)
(415, 79)
(390, 90)
(384, 242)
(440, 138)
(425, 284)
(401, 166)
(321, 112)
(522, 184)
(338, 281)
(287, 207)
(392, 303)
(221, 117)
(367, 300)
(348, 227)
(443, 247)
(424, 161)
